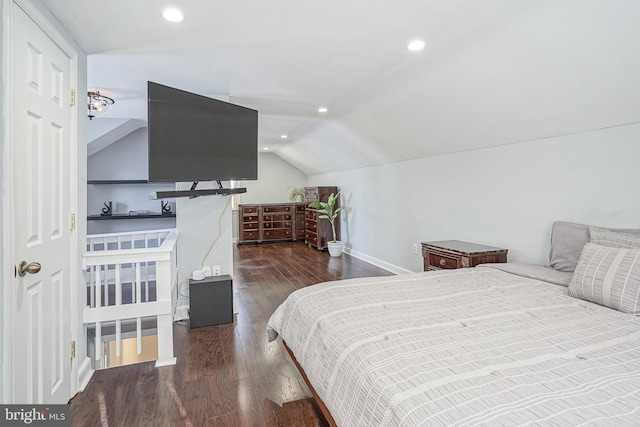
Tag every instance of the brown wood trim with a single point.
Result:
(323, 408)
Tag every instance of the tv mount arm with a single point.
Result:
(193, 187)
(195, 184)
(192, 193)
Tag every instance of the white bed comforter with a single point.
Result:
(463, 348)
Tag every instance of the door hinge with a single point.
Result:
(72, 221)
(73, 349)
(72, 97)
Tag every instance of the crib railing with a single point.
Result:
(131, 277)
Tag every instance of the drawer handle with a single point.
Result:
(442, 262)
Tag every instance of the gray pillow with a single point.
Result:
(613, 239)
(608, 276)
(567, 241)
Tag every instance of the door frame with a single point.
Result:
(8, 280)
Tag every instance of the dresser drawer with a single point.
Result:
(249, 210)
(312, 238)
(249, 226)
(276, 234)
(439, 260)
(249, 235)
(249, 218)
(276, 209)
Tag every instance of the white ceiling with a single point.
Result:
(494, 71)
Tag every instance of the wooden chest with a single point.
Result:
(452, 254)
(318, 231)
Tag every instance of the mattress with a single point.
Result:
(463, 347)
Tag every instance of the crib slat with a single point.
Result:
(98, 340)
(138, 283)
(139, 335)
(118, 284)
(98, 285)
(118, 338)
(92, 275)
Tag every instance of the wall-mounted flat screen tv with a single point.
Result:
(196, 138)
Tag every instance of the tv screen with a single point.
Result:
(195, 138)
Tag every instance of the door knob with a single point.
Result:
(31, 268)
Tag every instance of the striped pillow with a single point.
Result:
(613, 239)
(608, 276)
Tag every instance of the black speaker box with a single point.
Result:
(211, 301)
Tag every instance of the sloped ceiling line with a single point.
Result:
(113, 135)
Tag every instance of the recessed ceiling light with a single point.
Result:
(284, 136)
(415, 45)
(173, 15)
(266, 148)
(322, 110)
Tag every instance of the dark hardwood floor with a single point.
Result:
(226, 375)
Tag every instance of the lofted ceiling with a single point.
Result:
(493, 72)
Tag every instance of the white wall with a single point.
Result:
(275, 179)
(122, 160)
(205, 238)
(505, 196)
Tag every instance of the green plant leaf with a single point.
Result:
(296, 194)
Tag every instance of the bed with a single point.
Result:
(503, 344)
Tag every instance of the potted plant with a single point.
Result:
(328, 210)
(296, 194)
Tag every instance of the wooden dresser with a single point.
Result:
(270, 222)
(318, 231)
(452, 254)
(299, 219)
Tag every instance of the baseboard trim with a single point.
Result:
(85, 372)
(377, 262)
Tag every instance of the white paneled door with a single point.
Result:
(40, 203)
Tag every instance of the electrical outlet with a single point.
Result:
(215, 270)
(415, 249)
